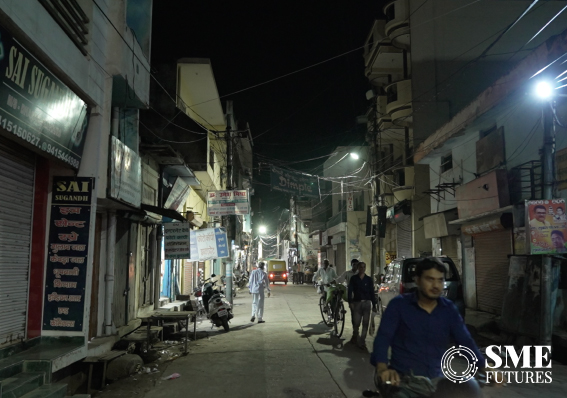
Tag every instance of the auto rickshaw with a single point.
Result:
(277, 271)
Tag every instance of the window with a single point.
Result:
(446, 162)
(391, 12)
(72, 19)
(392, 93)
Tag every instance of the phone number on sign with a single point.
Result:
(35, 140)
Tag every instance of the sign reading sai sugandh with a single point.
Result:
(36, 107)
(547, 224)
(208, 244)
(294, 183)
(66, 270)
(225, 203)
(177, 240)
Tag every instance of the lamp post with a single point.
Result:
(545, 92)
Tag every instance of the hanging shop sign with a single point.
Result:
(178, 195)
(547, 223)
(294, 183)
(225, 203)
(36, 108)
(208, 244)
(125, 174)
(350, 202)
(176, 240)
(66, 270)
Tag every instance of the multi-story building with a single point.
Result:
(471, 125)
(75, 78)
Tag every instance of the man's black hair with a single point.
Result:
(354, 261)
(261, 264)
(429, 263)
(556, 232)
(539, 207)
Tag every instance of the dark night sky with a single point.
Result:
(298, 117)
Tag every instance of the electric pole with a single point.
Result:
(230, 186)
(548, 167)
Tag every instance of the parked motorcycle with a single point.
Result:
(219, 310)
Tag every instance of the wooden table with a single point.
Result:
(173, 316)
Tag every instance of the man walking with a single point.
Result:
(300, 272)
(345, 279)
(258, 282)
(361, 300)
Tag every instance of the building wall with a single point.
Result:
(444, 79)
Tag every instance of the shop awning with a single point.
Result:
(163, 212)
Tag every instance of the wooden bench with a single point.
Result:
(101, 360)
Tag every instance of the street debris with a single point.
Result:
(171, 376)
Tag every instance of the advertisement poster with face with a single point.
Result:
(547, 225)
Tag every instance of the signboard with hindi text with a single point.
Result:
(176, 240)
(547, 223)
(294, 183)
(225, 203)
(208, 244)
(66, 269)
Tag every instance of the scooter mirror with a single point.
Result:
(213, 275)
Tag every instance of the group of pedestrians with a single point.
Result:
(359, 293)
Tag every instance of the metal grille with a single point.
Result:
(404, 241)
(491, 252)
(16, 208)
(71, 18)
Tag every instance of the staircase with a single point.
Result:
(17, 381)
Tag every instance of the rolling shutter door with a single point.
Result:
(404, 238)
(491, 260)
(17, 171)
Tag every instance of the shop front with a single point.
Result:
(42, 136)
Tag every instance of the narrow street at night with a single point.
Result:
(291, 355)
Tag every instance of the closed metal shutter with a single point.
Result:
(404, 241)
(491, 261)
(17, 172)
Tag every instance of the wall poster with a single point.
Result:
(547, 225)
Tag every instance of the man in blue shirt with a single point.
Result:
(361, 299)
(419, 327)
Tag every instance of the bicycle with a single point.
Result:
(333, 315)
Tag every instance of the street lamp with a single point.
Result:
(354, 155)
(544, 90)
(262, 229)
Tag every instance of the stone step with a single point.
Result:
(48, 391)
(20, 384)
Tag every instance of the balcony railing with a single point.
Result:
(337, 219)
(399, 102)
(397, 23)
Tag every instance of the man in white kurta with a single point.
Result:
(258, 282)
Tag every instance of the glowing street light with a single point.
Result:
(354, 155)
(544, 90)
(262, 229)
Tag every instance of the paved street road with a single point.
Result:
(291, 355)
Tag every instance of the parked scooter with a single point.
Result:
(219, 310)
